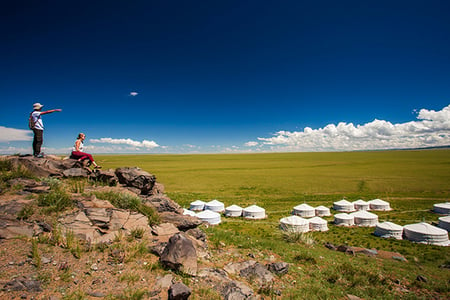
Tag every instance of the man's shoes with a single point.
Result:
(39, 155)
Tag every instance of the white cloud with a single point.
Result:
(144, 144)
(251, 144)
(133, 94)
(432, 129)
(14, 135)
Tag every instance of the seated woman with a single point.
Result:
(77, 151)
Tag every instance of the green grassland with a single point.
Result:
(411, 181)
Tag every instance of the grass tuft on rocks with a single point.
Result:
(131, 202)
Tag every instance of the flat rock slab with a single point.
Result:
(165, 229)
(23, 284)
(12, 228)
(257, 272)
(236, 267)
(100, 225)
(236, 290)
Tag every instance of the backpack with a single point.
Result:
(31, 123)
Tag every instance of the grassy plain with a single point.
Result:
(412, 181)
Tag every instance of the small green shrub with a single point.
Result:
(131, 294)
(54, 183)
(208, 293)
(77, 295)
(77, 185)
(8, 171)
(45, 277)
(136, 250)
(137, 233)
(73, 244)
(150, 213)
(129, 278)
(120, 200)
(5, 165)
(26, 212)
(299, 237)
(35, 253)
(56, 237)
(305, 257)
(55, 201)
(132, 202)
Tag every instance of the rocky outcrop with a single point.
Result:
(44, 167)
(177, 240)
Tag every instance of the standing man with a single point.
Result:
(38, 128)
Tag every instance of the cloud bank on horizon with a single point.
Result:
(431, 129)
(14, 135)
(144, 144)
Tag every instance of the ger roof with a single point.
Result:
(234, 207)
(304, 206)
(445, 219)
(206, 214)
(360, 202)
(198, 202)
(378, 201)
(364, 214)
(343, 202)
(321, 207)
(254, 208)
(317, 220)
(425, 228)
(294, 220)
(343, 216)
(389, 226)
(442, 205)
(214, 203)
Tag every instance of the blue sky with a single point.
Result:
(226, 76)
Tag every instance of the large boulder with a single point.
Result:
(179, 291)
(180, 255)
(136, 178)
(279, 268)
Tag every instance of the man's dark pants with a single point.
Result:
(37, 141)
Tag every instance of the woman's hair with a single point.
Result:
(79, 135)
